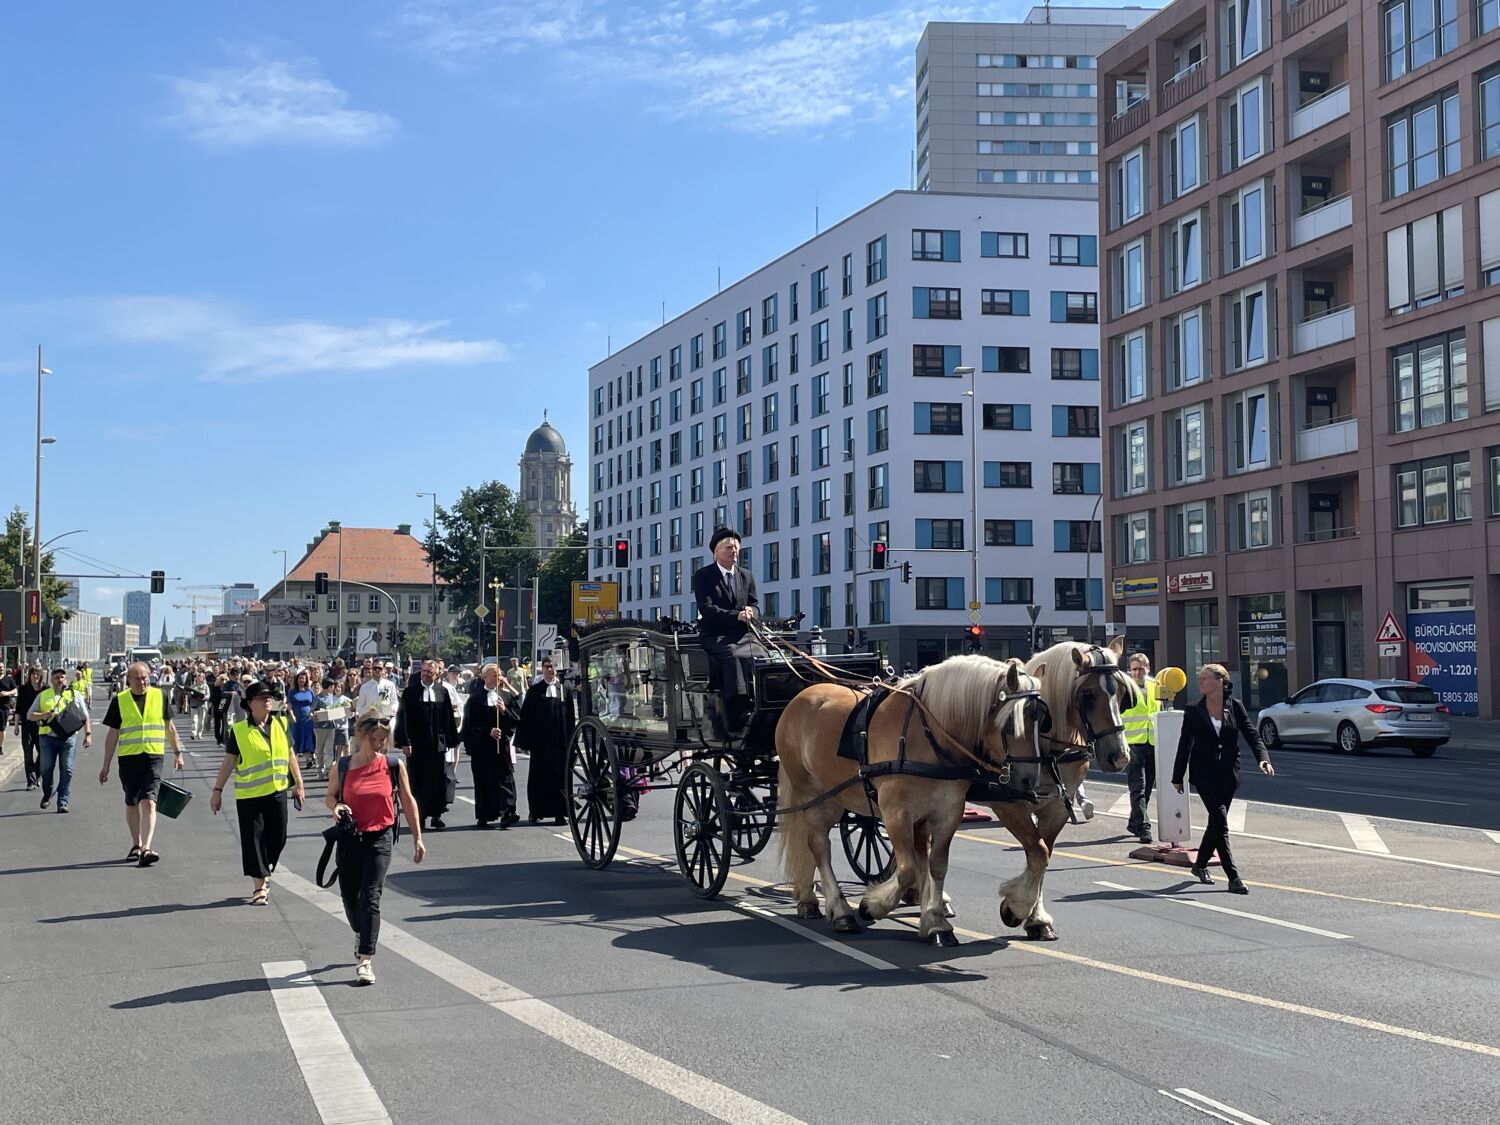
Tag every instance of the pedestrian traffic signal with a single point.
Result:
(158, 581)
(622, 553)
(877, 555)
(320, 582)
(906, 572)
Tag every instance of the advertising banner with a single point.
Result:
(1444, 657)
(288, 625)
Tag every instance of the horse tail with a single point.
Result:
(794, 840)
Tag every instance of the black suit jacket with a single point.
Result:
(415, 725)
(1213, 757)
(718, 613)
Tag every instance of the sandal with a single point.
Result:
(148, 857)
(259, 897)
(135, 853)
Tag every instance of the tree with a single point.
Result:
(457, 649)
(15, 555)
(418, 642)
(496, 510)
(559, 571)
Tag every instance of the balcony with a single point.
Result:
(1307, 13)
(1328, 440)
(1324, 219)
(1319, 112)
(1322, 331)
(1183, 84)
(1127, 121)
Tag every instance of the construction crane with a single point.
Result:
(196, 600)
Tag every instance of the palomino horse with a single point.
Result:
(1084, 688)
(971, 705)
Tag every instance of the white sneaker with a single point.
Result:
(1088, 809)
(364, 973)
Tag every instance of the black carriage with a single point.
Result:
(649, 720)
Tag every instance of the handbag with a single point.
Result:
(71, 719)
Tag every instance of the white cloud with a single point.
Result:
(516, 308)
(233, 348)
(737, 63)
(271, 101)
(535, 281)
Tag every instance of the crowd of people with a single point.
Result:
(282, 724)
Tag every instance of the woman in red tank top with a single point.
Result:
(363, 789)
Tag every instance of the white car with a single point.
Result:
(1353, 715)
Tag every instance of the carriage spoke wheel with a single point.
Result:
(867, 847)
(593, 796)
(702, 828)
(753, 820)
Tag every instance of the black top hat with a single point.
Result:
(722, 534)
(258, 689)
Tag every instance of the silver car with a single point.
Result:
(1356, 714)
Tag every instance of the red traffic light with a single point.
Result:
(622, 553)
(975, 631)
(877, 555)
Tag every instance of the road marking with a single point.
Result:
(338, 1084)
(1243, 997)
(824, 940)
(1121, 807)
(1204, 1104)
(1389, 797)
(1237, 811)
(1492, 834)
(1151, 866)
(1363, 833)
(675, 1081)
(1225, 910)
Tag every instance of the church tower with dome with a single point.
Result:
(547, 485)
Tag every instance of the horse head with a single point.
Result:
(1101, 689)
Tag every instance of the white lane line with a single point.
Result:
(1121, 807)
(465, 800)
(1206, 1105)
(1225, 910)
(1492, 834)
(1363, 833)
(340, 1089)
(826, 942)
(1237, 812)
(675, 1081)
(1389, 797)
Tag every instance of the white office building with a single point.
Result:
(237, 598)
(1012, 108)
(80, 637)
(823, 403)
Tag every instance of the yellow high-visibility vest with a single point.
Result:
(1137, 720)
(48, 701)
(264, 764)
(142, 733)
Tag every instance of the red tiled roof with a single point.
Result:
(378, 555)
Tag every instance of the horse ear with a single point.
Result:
(1078, 657)
(1039, 674)
(1013, 677)
(1117, 645)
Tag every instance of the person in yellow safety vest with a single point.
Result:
(258, 752)
(57, 750)
(140, 726)
(1140, 733)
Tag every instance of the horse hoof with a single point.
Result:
(944, 939)
(865, 915)
(1042, 931)
(809, 910)
(1009, 916)
(845, 925)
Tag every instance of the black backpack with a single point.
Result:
(331, 835)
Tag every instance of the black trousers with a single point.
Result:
(494, 784)
(1140, 776)
(363, 863)
(731, 662)
(31, 752)
(1216, 835)
(262, 832)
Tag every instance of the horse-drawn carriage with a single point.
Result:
(648, 720)
(889, 764)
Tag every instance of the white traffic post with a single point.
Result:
(1174, 824)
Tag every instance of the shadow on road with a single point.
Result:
(138, 911)
(63, 867)
(214, 990)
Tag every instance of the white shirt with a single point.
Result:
(1218, 723)
(379, 695)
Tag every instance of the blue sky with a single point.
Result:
(295, 262)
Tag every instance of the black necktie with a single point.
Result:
(729, 585)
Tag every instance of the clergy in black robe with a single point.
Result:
(490, 719)
(545, 731)
(425, 731)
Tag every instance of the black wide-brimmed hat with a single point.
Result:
(258, 689)
(722, 534)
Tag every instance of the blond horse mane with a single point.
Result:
(958, 692)
(1059, 678)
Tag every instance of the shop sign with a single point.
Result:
(1137, 588)
(1190, 582)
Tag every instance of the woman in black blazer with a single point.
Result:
(1209, 750)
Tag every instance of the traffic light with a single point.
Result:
(320, 582)
(158, 582)
(863, 638)
(906, 572)
(622, 553)
(391, 636)
(850, 641)
(877, 555)
(976, 638)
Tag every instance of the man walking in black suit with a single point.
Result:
(725, 593)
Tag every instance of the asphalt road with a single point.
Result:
(516, 985)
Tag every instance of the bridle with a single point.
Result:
(1099, 666)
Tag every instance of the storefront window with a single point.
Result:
(1200, 641)
(1442, 649)
(1262, 630)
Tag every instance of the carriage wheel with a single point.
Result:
(702, 828)
(594, 795)
(867, 847)
(753, 820)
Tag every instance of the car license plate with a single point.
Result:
(1419, 716)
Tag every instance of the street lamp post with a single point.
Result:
(36, 511)
(282, 552)
(432, 558)
(1088, 571)
(974, 476)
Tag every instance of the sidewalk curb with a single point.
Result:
(11, 764)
